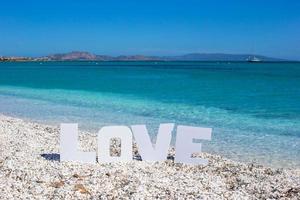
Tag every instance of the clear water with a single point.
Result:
(253, 108)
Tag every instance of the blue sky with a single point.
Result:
(35, 28)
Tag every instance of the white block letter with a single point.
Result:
(160, 152)
(185, 145)
(104, 137)
(69, 145)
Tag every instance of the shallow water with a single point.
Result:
(253, 108)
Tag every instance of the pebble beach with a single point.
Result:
(30, 169)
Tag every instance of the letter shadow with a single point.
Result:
(51, 156)
(56, 157)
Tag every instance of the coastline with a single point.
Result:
(30, 168)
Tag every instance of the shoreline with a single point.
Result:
(30, 168)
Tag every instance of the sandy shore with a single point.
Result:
(30, 168)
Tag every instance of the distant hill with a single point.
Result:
(219, 57)
(75, 55)
(78, 55)
(87, 56)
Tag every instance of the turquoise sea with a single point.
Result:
(253, 108)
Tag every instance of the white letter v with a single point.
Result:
(163, 139)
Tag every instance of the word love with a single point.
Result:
(185, 143)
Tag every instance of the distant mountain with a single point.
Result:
(219, 57)
(78, 55)
(86, 56)
(82, 55)
(74, 55)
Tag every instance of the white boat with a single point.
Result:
(253, 59)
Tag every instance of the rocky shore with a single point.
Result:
(30, 169)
